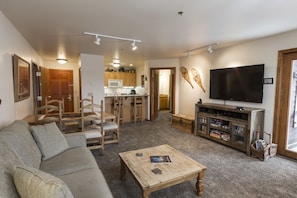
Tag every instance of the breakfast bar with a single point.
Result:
(133, 107)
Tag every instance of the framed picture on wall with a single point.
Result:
(21, 78)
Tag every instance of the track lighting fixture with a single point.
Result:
(210, 50)
(134, 47)
(98, 36)
(97, 41)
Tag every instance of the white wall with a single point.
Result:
(254, 52)
(12, 42)
(92, 76)
(68, 66)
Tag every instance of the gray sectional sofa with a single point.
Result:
(40, 161)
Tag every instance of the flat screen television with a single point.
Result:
(243, 83)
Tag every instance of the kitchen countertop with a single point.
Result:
(125, 95)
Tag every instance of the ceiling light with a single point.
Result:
(97, 41)
(116, 63)
(134, 47)
(62, 60)
(210, 50)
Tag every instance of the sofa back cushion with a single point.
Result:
(49, 139)
(8, 159)
(18, 134)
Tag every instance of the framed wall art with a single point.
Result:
(21, 78)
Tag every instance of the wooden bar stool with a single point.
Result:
(138, 108)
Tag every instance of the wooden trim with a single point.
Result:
(282, 97)
(173, 69)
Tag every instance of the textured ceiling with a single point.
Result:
(56, 26)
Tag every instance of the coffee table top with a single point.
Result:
(181, 168)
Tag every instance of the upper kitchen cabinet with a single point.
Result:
(129, 78)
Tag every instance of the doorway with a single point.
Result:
(162, 96)
(285, 114)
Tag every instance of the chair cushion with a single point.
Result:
(93, 133)
(110, 126)
(33, 183)
(49, 139)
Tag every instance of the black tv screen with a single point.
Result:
(238, 84)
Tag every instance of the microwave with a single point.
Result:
(115, 83)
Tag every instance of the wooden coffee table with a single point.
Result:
(181, 169)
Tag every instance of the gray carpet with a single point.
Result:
(230, 173)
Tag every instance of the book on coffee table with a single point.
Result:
(160, 159)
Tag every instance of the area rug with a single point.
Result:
(230, 173)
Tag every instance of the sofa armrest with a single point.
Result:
(76, 140)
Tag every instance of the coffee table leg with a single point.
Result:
(123, 170)
(199, 184)
(145, 194)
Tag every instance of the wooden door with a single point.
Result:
(58, 84)
(172, 91)
(61, 87)
(282, 101)
(36, 85)
(154, 93)
(44, 83)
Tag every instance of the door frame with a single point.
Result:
(153, 114)
(282, 101)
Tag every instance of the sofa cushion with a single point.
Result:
(49, 139)
(88, 183)
(8, 158)
(76, 139)
(18, 134)
(69, 161)
(33, 183)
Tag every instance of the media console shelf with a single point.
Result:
(228, 125)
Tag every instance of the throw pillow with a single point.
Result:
(34, 183)
(49, 139)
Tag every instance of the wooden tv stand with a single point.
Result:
(228, 125)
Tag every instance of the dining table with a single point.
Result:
(68, 118)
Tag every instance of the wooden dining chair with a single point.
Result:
(111, 127)
(91, 114)
(51, 112)
(55, 102)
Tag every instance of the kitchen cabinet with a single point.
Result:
(129, 78)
